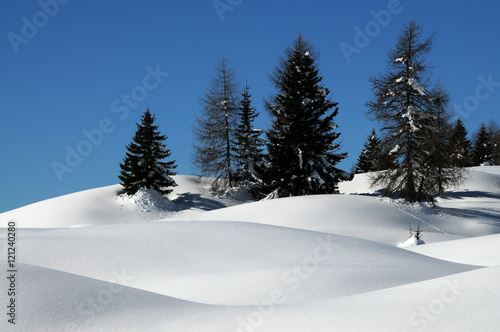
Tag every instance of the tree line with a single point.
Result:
(300, 147)
(482, 149)
(418, 155)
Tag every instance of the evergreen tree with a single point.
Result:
(438, 171)
(301, 145)
(495, 139)
(214, 129)
(483, 146)
(460, 146)
(370, 158)
(407, 107)
(387, 159)
(142, 166)
(248, 148)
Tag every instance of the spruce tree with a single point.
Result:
(407, 106)
(387, 159)
(483, 146)
(214, 130)
(460, 148)
(248, 147)
(302, 144)
(437, 170)
(143, 165)
(370, 158)
(495, 141)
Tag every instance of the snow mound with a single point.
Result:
(229, 263)
(148, 200)
(482, 250)
(89, 207)
(204, 263)
(108, 205)
(370, 218)
(411, 242)
(462, 302)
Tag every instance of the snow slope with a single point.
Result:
(108, 205)
(229, 263)
(202, 263)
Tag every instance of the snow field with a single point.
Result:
(94, 261)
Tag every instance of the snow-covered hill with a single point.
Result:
(98, 261)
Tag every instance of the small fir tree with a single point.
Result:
(143, 165)
(483, 146)
(460, 148)
(495, 141)
(370, 158)
(248, 147)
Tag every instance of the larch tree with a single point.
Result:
(406, 105)
(302, 144)
(143, 165)
(214, 130)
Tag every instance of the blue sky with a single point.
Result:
(77, 75)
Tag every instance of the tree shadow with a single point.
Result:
(484, 215)
(471, 194)
(186, 201)
(377, 193)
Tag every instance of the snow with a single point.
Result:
(395, 149)
(333, 125)
(146, 200)
(411, 242)
(417, 86)
(299, 154)
(409, 116)
(99, 261)
(411, 82)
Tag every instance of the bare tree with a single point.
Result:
(414, 119)
(214, 128)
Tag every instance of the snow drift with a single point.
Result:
(96, 260)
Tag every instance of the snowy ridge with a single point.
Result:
(202, 263)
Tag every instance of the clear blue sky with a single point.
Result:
(65, 69)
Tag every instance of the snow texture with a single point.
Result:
(98, 261)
